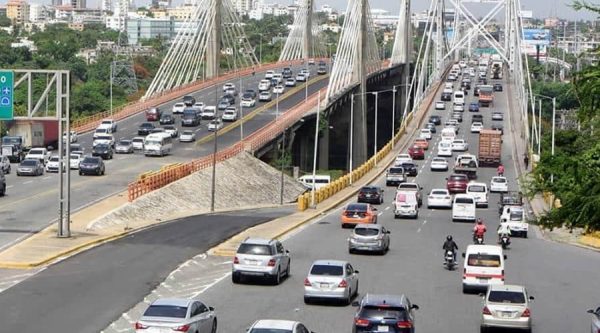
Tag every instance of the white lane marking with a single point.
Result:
(418, 230)
(387, 208)
(10, 186)
(379, 214)
(28, 182)
(425, 222)
(48, 177)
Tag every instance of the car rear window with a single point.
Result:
(169, 311)
(269, 330)
(374, 311)
(512, 297)
(369, 189)
(476, 188)
(366, 231)
(90, 160)
(396, 171)
(483, 260)
(463, 201)
(357, 208)
(516, 215)
(256, 249)
(29, 162)
(499, 180)
(458, 178)
(439, 192)
(332, 270)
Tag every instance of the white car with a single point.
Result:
(514, 217)
(499, 184)
(172, 131)
(264, 96)
(215, 125)
(199, 106)
(228, 86)
(290, 82)
(425, 134)
(306, 72)
(177, 315)
(269, 74)
(100, 132)
(300, 78)
(279, 89)
(187, 136)
(402, 158)
(209, 112)
(109, 124)
(53, 163)
(248, 102)
(479, 191)
(106, 139)
(40, 154)
(230, 114)
(464, 208)
(439, 164)
(476, 127)
(460, 145)
(74, 161)
(138, 143)
(458, 108)
(440, 105)
(273, 325)
(440, 198)
(444, 149)
(178, 108)
(264, 85)
(73, 137)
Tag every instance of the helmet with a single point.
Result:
(449, 237)
(479, 221)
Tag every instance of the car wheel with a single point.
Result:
(277, 278)
(235, 278)
(482, 329)
(288, 269)
(348, 299)
(307, 300)
(343, 226)
(214, 327)
(3, 192)
(80, 173)
(350, 251)
(465, 289)
(524, 234)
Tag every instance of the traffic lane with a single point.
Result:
(95, 287)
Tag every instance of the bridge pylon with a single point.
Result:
(303, 41)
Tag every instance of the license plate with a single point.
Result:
(252, 262)
(506, 314)
(324, 285)
(383, 328)
(355, 216)
(483, 280)
(368, 195)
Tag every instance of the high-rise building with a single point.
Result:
(243, 6)
(17, 11)
(106, 6)
(78, 4)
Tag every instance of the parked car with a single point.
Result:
(30, 167)
(370, 194)
(384, 313)
(506, 307)
(92, 165)
(258, 257)
(177, 315)
(187, 136)
(358, 213)
(369, 238)
(124, 146)
(331, 279)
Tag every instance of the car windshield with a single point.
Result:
(458, 178)
(372, 311)
(103, 138)
(366, 231)
(483, 260)
(499, 180)
(463, 200)
(150, 142)
(439, 192)
(511, 297)
(124, 143)
(90, 160)
(247, 96)
(396, 171)
(255, 249)
(29, 162)
(476, 188)
(36, 152)
(333, 270)
(169, 311)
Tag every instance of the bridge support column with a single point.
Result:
(213, 52)
(324, 142)
(359, 148)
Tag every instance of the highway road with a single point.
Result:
(564, 279)
(31, 203)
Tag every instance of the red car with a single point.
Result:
(457, 183)
(416, 153)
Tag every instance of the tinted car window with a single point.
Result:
(484, 260)
(369, 189)
(506, 297)
(366, 231)
(29, 163)
(464, 200)
(90, 160)
(395, 171)
(255, 249)
(458, 178)
(371, 311)
(169, 311)
(357, 207)
(327, 270)
(476, 188)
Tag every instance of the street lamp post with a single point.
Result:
(282, 161)
(393, 114)
(553, 127)
(111, 87)
(376, 93)
(351, 134)
(316, 146)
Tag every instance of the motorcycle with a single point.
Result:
(478, 239)
(504, 241)
(449, 260)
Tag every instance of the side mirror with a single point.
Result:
(505, 257)
(211, 308)
(287, 251)
(388, 232)
(355, 303)
(591, 311)
(420, 187)
(414, 306)
(531, 298)
(356, 272)
(463, 254)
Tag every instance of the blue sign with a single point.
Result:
(6, 95)
(536, 36)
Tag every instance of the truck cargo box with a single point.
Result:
(490, 147)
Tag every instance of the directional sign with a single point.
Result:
(6, 95)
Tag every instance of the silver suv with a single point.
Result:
(264, 258)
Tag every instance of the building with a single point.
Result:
(180, 13)
(243, 6)
(551, 22)
(2, 10)
(24, 42)
(18, 11)
(79, 4)
(106, 6)
(38, 13)
(140, 28)
(90, 56)
(331, 26)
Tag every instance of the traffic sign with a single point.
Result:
(6, 95)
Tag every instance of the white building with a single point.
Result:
(37, 13)
(24, 42)
(383, 17)
(327, 9)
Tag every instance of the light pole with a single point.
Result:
(351, 134)
(282, 161)
(111, 87)
(277, 105)
(316, 146)
(553, 126)
(376, 93)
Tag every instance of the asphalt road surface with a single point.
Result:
(31, 203)
(86, 292)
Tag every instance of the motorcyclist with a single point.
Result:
(479, 229)
(503, 230)
(450, 245)
(501, 170)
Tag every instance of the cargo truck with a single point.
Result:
(34, 133)
(490, 147)
(486, 95)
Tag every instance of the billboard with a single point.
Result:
(536, 37)
(531, 50)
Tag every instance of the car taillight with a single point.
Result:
(526, 313)
(404, 324)
(486, 311)
(343, 284)
(236, 260)
(271, 263)
(307, 282)
(361, 322)
(182, 328)
(139, 326)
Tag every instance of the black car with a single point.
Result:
(410, 169)
(436, 120)
(476, 91)
(103, 150)
(384, 313)
(464, 90)
(371, 194)
(145, 128)
(251, 93)
(287, 73)
(431, 127)
(497, 87)
(91, 165)
(167, 118)
(466, 84)
(477, 117)
(446, 96)
(498, 127)
(458, 116)
(189, 100)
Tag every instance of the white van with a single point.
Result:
(158, 144)
(406, 204)
(484, 266)
(463, 207)
(479, 191)
(459, 97)
(318, 181)
(448, 134)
